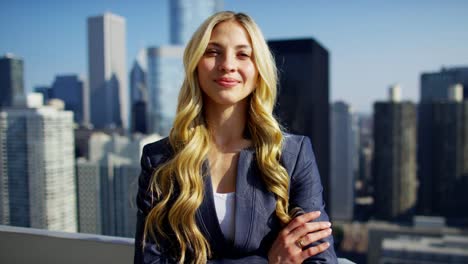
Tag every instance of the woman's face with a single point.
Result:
(226, 72)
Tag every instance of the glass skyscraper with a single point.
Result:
(11, 80)
(165, 76)
(73, 91)
(187, 15)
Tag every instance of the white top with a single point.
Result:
(225, 204)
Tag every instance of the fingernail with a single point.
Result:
(327, 244)
(318, 212)
(328, 224)
(330, 231)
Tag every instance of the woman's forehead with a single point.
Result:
(230, 33)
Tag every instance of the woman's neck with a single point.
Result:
(227, 125)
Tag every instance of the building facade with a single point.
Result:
(139, 93)
(108, 85)
(107, 184)
(394, 164)
(450, 167)
(37, 171)
(435, 88)
(344, 161)
(11, 80)
(187, 15)
(164, 79)
(73, 91)
(303, 98)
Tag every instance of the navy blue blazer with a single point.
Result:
(256, 224)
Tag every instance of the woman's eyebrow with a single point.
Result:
(241, 46)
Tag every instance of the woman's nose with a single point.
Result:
(227, 64)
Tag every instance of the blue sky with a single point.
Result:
(372, 44)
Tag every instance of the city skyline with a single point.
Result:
(371, 45)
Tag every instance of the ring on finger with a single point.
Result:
(300, 243)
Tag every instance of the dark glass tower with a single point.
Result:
(434, 88)
(447, 195)
(303, 98)
(11, 79)
(74, 92)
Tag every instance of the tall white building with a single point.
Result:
(108, 84)
(165, 76)
(187, 15)
(37, 171)
(344, 160)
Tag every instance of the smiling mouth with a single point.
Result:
(226, 82)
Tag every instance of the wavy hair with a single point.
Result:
(173, 216)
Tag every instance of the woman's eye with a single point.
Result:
(212, 52)
(244, 55)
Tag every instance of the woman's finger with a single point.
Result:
(307, 228)
(300, 220)
(315, 236)
(312, 251)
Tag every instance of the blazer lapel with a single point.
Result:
(206, 216)
(245, 200)
(244, 212)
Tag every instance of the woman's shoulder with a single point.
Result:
(157, 152)
(293, 143)
(160, 147)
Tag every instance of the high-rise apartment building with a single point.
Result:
(11, 80)
(37, 172)
(73, 91)
(108, 85)
(187, 15)
(164, 77)
(344, 161)
(303, 98)
(394, 164)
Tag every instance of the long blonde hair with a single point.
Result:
(178, 184)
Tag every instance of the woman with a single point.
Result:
(222, 187)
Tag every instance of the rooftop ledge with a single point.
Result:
(28, 245)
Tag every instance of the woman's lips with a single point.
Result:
(227, 82)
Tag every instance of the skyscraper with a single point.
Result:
(303, 98)
(394, 164)
(11, 80)
(107, 184)
(108, 71)
(449, 182)
(73, 90)
(139, 93)
(434, 87)
(37, 171)
(187, 15)
(343, 161)
(164, 77)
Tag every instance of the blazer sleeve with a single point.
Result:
(306, 192)
(151, 253)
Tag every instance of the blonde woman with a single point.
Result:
(227, 185)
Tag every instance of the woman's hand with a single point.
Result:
(298, 234)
